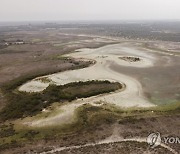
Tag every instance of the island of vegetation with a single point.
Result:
(22, 104)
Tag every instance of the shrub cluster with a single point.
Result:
(23, 104)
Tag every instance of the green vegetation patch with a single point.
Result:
(130, 59)
(23, 104)
(44, 80)
(88, 118)
(93, 116)
(6, 130)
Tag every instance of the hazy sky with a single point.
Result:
(18, 10)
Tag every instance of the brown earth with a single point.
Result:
(38, 56)
(141, 127)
